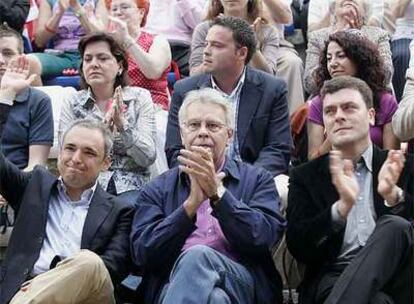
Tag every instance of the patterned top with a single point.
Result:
(134, 147)
(157, 87)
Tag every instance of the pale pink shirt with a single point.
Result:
(175, 19)
(208, 232)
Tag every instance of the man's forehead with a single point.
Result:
(205, 111)
(220, 33)
(9, 43)
(343, 96)
(84, 137)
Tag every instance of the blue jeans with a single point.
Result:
(202, 275)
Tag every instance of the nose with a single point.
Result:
(339, 115)
(116, 12)
(203, 131)
(77, 156)
(207, 50)
(333, 62)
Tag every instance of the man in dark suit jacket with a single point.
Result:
(262, 134)
(70, 218)
(349, 212)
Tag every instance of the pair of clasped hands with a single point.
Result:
(198, 163)
(349, 16)
(345, 182)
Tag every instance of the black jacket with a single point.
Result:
(105, 232)
(310, 236)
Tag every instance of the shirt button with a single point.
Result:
(210, 231)
(360, 198)
(40, 240)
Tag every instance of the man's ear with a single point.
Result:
(230, 134)
(106, 163)
(371, 116)
(242, 52)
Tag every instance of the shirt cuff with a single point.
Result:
(338, 221)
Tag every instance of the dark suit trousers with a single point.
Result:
(381, 272)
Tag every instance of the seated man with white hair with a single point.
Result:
(204, 230)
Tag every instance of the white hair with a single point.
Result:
(207, 95)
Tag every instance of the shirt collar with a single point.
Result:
(23, 95)
(366, 157)
(87, 99)
(235, 90)
(86, 196)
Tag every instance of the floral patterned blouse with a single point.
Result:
(134, 147)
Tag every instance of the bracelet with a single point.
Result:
(79, 13)
(48, 29)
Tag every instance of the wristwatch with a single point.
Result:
(218, 195)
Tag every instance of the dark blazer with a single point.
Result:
(105, 232)
(263, 129)
(310, 236)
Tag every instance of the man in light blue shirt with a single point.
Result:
(70, 242)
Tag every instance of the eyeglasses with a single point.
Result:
(195, 125)
(122, 8)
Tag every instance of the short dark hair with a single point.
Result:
(243, 33)
(117, 51)
(92, 125)
(348, 82)
(7, 31)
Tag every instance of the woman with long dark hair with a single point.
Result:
(351, 53)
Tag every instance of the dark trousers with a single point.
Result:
(400, 58)
(381, 272)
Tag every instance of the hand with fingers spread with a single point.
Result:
(16, 78)
(343, 178)
(388, 177)
(119, 30)
(198, 163)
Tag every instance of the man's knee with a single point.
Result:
(395, 225)
(197, 253)
(218, 295)
(89, 262)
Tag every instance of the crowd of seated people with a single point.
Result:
(206, 229)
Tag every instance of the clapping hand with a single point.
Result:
(114, 117)
(257, 28)
(349, 16)
(389, 174)
(343, 178)
(198, 163)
